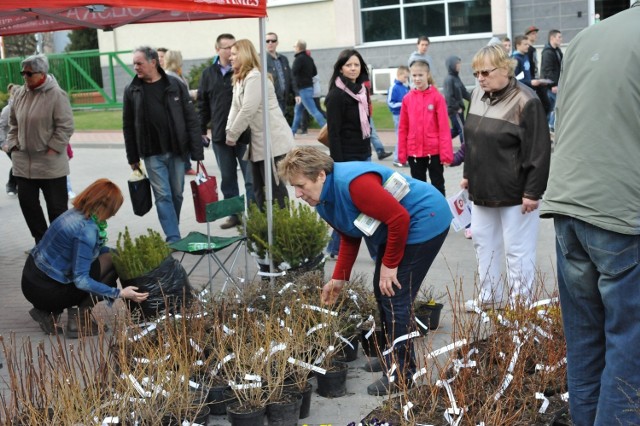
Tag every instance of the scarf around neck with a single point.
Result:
(363, 106)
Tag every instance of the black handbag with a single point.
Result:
(245, 137)
(140, 192)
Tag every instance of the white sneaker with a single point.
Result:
(471, 305)
(71, 195)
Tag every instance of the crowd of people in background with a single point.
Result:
(503, 128)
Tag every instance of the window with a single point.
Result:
(387, 20)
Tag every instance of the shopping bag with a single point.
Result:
(205, 190)
(323, 136)
(140, 192)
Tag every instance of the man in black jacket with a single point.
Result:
(278, 67)
(303, 70)
(551, 64)
(541, 90)
(214, 102)
(160, 126)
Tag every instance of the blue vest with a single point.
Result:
(427, 207)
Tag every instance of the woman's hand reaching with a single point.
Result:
(131, 294)
(331, 291)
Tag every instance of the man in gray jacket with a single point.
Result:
(160, 126)
(593, 194)
(40, 126)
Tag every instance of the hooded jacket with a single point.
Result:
(183, 121)
(40, 119)
(455, 91)
(424, 126)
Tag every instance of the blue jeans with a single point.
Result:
(396, 312)
(375, 139)
(228, 158)
(598, 280)
(396, 122)
(166, 175)
(552, 106)
(307, 102)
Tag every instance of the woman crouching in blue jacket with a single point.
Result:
(71, 267)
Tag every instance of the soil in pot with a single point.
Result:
(285, 412)
(244, 415)
(333, 383)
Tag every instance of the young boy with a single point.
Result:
(396, 93)
(523, 69)
(424, 137)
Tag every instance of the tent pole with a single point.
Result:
(267, 145)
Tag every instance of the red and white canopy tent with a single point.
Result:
(34, 16)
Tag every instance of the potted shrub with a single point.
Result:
(299, 237)
(427, 310)
(146, 262)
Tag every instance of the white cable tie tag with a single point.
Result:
(543, 333)
(421, 324)
(372, 329)
(503, 387)
(544, 302)
(227, 330)
(545, 402)
(198, 363)
(392, 370)
(346, 341)
(252, 377)
(401, 339)
(137, 386)
(285, 287)
(276, 348)
(259, 353)
(272, 274)
(323, 355)
(406, 409)
(110, 421)
(447, 348)
(308, 366)
(287, 310)
(226, 359)
(143, 333)
(454, 407)
(419, 373)
(565, 396)
(316, 328)
(319, 309)
(188, 423)
(195, 345)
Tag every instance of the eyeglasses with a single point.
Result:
(484, 73)
(29, 73)
(272, 41)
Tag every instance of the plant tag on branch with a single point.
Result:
(319, 309)
(285, 287)
(545, 402)
(401, 339)
(307, 366)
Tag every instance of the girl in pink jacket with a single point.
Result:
(424, 138)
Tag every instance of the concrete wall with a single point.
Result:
(549, 15)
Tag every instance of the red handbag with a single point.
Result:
(205, 190)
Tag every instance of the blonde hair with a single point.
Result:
(102, 198)
(173, 61)
(306, 161)
(424, 64)
(248, 56)
(497, 57)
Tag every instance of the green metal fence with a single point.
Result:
(89, 77)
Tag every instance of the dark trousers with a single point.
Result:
(12, 179)
(457, 124)
(279, 190)
(396, 313)
(55, 196)
(49, 295)
(420, 165)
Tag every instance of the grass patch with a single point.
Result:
(98, 119)
(112, 119)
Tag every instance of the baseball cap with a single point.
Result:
(531, 29)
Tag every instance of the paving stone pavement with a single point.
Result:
(101, 154)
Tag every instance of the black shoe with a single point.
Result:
(382, 387)
(12, 190)
(231, 222)
(373, 366)
(46, 320)
(383, 155)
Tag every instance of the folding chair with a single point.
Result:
(207, 245)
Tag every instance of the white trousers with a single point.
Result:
(503, 235)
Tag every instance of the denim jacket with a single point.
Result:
(67, 250)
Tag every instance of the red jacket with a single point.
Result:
(424, 126)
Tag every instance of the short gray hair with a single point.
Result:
(37, 63)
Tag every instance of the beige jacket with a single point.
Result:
(40, 119)
(246, 111)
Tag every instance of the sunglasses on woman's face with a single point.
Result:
(28, 73)
(484, 73)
